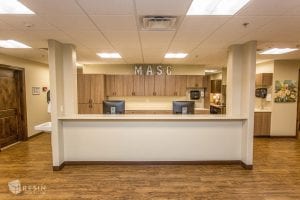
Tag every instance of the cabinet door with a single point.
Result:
(128, 85)
(199, 81)
(267, 79)
(266, 124)
(180, 82)
(96, 108)
(84, 108)
(83, 88)
(171, 86)
(110, 85)
(191, 81)
(149, 85)
(139, 85)
(97, 88)
(159, 85)
(216, 86)
(119, 85)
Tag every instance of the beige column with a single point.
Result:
(240, 91)
(63, 84)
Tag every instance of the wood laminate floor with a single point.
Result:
(276, 176)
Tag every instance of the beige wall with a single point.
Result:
(129, 69)
(265, 67)
(284, 115)
(36, 75)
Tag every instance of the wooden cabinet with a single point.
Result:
(90, 93)
(148, 112)
(114, 85)
(195, 81)
(159, 85)
(262, 123)
(264, 79)
(138, 85)
(216, 86)
(175, 85)
(149, 85)
(128, 85)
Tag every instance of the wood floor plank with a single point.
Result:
(276, 176)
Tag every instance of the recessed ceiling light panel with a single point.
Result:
(109, 55)
(216, 7)
(176, 55)
(278, 51)
(12, 44)
(14, 7)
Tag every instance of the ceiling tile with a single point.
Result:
(70, 22)
(104, 7)
(156, 39)
(50, 7)
(115, 22)
(162, 7)
(123, 39)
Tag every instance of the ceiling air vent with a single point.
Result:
(158, 23)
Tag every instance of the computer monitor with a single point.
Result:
(183, 107)
(113, 107)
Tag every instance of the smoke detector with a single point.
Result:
(158, 23)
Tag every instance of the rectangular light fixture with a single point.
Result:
(176, 55)
(109, 55)
(216, 7)
(210, 71)
(14, 7)
(12, 44)
(278, 51)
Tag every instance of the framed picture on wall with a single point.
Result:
(285, 91)
(36, 90)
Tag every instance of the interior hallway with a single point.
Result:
(276, 176)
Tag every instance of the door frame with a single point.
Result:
(23, 109)
(298, 108)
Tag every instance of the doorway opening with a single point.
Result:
(13, 121)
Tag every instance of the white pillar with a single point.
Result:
(62, 63)
(240, 91)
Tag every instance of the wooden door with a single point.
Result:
(119, 85)
(159, 85)
(83, 88)
(128, 85)
(180, 82)
(149, 85)
(171, 88)
(194, 81)
(97, 88)
(86, 108)
(10, 120)
(110, 85)
(139, 85)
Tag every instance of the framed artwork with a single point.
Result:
(36, 90)
(285, 91)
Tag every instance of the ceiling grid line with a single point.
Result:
(138, 31)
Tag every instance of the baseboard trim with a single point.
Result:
(245, 166)
(217, 162)
(35, 135)
(58, 168)
(283, 136)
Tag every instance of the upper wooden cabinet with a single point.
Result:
(264, 79)
(138, 85)
(159, 85)
(114, 85)
(128, 86)
(90, 93)
(216, 86)
(195, 81)
(175, 85)
(149, 85)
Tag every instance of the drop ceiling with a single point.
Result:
(96, 26)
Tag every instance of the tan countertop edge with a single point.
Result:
(150, 109)
(153, 117)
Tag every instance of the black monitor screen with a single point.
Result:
(113, 107)
(183, 107)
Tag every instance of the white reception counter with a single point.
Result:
(119, 139)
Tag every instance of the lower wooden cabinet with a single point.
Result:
(262, 123)
(202, 112)
(85, 108)
(148, 112)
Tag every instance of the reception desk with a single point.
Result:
(154, 139)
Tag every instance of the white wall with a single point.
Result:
(284, 115)
(36, 75)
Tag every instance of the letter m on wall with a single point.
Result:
(138, 70)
